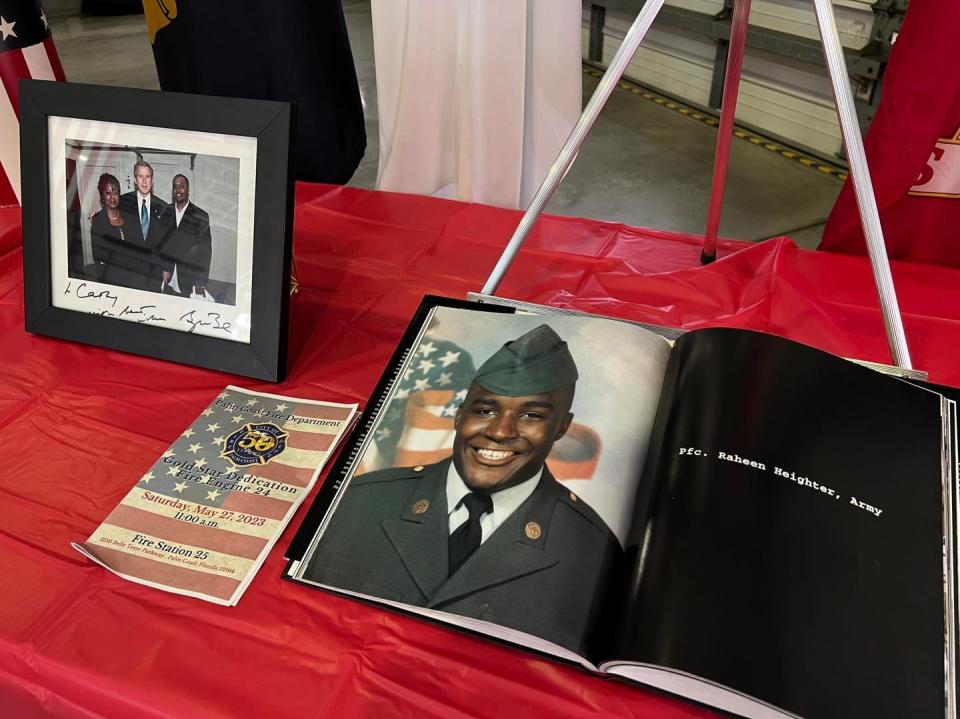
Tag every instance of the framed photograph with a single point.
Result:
(158, 223)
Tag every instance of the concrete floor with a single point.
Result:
(643, 164)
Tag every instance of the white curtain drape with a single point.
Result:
(475, 97)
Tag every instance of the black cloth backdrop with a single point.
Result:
(295, 50)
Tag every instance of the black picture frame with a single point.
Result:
(272, 124)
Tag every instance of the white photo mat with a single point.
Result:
(231, 322)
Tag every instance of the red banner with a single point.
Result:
(913, 146)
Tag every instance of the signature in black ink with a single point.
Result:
(212, 320)
(89, 295)
(142, 313)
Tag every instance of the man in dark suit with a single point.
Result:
(185, 257)
(149, 211)
(488, 533)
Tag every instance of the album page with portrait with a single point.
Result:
(732, 517)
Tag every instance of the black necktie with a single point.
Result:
(466, 538)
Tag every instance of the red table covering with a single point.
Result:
(81, 424)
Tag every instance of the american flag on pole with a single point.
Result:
(26, 51)
(204, 517)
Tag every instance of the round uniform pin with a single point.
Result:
(418, 468)
(573, 497)
(421, 506)
(532, 530)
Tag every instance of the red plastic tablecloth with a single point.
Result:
(81, 424)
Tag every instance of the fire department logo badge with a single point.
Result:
(254, 444)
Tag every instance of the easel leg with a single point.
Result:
(579, 133)
(862, 185)
(728, 109)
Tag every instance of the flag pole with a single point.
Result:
(862, 185)
(575, 140)
(728, 109)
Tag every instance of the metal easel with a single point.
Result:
(853, 142)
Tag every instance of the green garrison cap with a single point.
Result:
(534, 363)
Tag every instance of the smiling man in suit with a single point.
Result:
(149, 210)
(487, 533)
(185, 257)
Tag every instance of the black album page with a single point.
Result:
(791, 546)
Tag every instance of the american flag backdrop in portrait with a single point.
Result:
(418, 425)
(26, 51)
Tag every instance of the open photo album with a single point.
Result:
(732, 517)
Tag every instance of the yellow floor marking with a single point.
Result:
(713, 122)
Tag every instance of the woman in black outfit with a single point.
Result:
(117, 242)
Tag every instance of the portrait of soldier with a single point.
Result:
(487, 533)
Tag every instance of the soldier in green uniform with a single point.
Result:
(488, 533)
